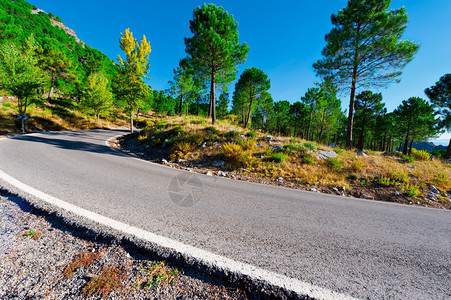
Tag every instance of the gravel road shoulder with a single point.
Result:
(40, 257)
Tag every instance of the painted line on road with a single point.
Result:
(221, 262)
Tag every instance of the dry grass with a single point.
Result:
(296, 162)
(108, 281)
(155, 274)
(84, 259)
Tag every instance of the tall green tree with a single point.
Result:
(97, 95)
(19, 74)
(223, 105)
(310, 99)
(368, 106)
(416, 119)
(214, 47)
(181, 87)
(440, 96)
(54, 61)
(281, 118)
(299, 113)
(251, 88)
(130, 86)
(365, 49)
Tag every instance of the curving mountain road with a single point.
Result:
(364, 249)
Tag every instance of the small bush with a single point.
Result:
(277, 158)
(178, 130)
(411, 190)
(338, 150)
(436, 153)
(142, 138)
(197, 122)
(154, 274)
(269, 151)
(385, 181)
(357, 165)
(162, 123)
(180, 150)
(248, 144)
(307, 160)
(398, 177)
(108, 281)
(232, 152)
(232, 134)
(335, 164)
(236, 155)
(212, 129)
(440, 178)
(231, 119)
(7, 104)
(251, 134)
(406, 158)
(296, 149)
(421, 155)
(311, 145)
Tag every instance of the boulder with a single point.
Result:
(321, 154)
(218, 164)
(365, 196)
(209, 173)
(268, 138)
(221, 173)
(242, 136)
(277, 148)
(280, 180)
(434, 189)
(361, 153)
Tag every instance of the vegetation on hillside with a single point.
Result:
(235, 152)
(63, 83)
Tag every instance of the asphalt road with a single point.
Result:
(366, 249)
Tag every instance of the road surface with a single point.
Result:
(364, 249)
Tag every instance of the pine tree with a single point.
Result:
(440, 96)
(214, 48)
(97, 95)
(365, 49)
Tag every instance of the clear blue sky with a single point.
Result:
(285, 37)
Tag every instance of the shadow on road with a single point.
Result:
(96, 146)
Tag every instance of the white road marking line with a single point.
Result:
(206, 257)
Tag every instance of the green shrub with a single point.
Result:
(248, 144)
(440, 178)
(296, 149)
(439, 153)
(406, 158)
(335, 164)
(212, 129)
(198, 121)
(385, 181)
(236, 155)
(307, 160)
(357, 165)
(277, 157)
(232, 134)
(411, 190)
(398, 177)
(142, 138)
(338, 150)
(181, 149)
(269, 151)
(251, 134)
(162, 123)
(178, 130)
(7, 104)
(311, 145)
(421, 155)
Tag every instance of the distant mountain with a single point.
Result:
(56, 42)
(428, 146)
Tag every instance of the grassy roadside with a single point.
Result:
(230, 151)
(55, 115)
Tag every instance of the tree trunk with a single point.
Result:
(406, 144)
(213, 98)
(51, 86)
(410, 147)
(361, 136)
(186, 108)
(131, 121)
(248, 116)
(448, 151)
(351, 109)
(309, 124)
(180, 104)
